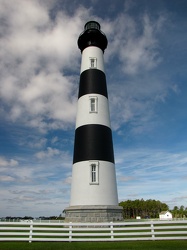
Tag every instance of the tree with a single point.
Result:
(149, 208)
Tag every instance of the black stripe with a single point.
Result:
(92, 81)
(93, 142)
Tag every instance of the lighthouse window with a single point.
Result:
(94, 173)
(92, 25)
(93, 104)
(93, 62)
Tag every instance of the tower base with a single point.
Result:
(93, 214)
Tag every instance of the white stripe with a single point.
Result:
(92, 52)
(85, 193)
(84, 116)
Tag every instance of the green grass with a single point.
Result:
(135, 245)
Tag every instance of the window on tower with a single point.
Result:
(93, 172)
(93, 104)
(94, 167)
(93, 62)
(92, 25)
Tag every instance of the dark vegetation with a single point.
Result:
(149, 209)
(10, 218)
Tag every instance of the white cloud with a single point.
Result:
(25, 188)
(135, 42)
(50, 152)
(54, 139)
(37, 142)
(6, 178)
(36, 52)
(8, 163)
(135, 88)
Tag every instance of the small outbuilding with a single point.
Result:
(165, 215)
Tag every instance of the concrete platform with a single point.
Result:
(93, 214)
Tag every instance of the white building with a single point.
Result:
(165, 215)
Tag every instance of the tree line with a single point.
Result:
(149, 209)
(143, 208)
(18, 218)
(179, 212)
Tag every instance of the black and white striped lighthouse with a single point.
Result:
(93, 190)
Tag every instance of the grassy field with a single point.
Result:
(135, 245)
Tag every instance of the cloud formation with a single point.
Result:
(50, 152)
(8, 163)
(135, 42)
(40, 64)
(36, 52)
(136, 88)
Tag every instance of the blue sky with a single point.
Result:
(145, 65)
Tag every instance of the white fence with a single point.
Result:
(123, 231)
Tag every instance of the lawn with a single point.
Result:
(135, 245)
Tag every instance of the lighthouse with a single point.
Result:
(94, 195)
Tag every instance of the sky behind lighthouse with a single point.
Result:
(145, 66)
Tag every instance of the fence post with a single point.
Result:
(111, 230)
(152, 230)
(70, 231)
(31, 231)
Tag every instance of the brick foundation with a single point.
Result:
(93, 214)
